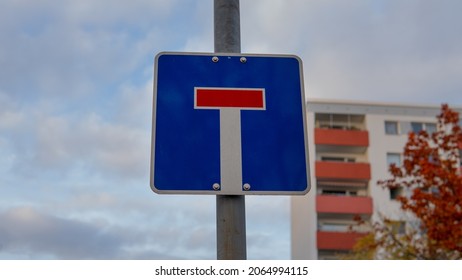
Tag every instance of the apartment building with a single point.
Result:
(351, 146)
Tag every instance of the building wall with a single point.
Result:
(307, 232)
(303, 213)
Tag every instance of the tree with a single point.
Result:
(430, 177)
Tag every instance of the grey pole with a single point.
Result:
(227, 31)
(231, 234)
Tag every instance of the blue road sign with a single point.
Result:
(232, 124)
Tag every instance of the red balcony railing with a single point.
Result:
(323, 136)
(327, 240)
(344, 204)
(342, 170)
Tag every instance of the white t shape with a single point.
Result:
(230, 102)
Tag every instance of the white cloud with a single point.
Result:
(134, 104)
(78, 48)
(76, 103)
(88, 230)
(106, 11)
(364, 50)
(33, 234)
(9, 119)
(99, 145)
(9, 114)
(268, 227)
(113, 143)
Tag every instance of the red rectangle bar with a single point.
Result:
(246, 98)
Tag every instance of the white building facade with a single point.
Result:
(351, 145)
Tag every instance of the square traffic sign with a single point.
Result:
(230, 124)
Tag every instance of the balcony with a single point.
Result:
(332, 204)
(343, 170)
(341, 141)
(327, 240)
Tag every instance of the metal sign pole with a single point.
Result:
(231, 233)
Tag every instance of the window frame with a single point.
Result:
(423, 127)
(396, 192)
(390, 160)
(388, 130)
(434, 129)
(417, 129)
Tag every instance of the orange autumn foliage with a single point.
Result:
(431, 179)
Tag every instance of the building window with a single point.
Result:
(430, 127)
(398, 227)
(393, 158)
(395, 193)
(334, 192)
(416, 127)
(391, 128)
(339, 192)
(460, 157)
(340, 121)
(341, 159)
(334, 227)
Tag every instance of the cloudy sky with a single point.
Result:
(76, 103)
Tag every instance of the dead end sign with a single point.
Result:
(229, 124)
